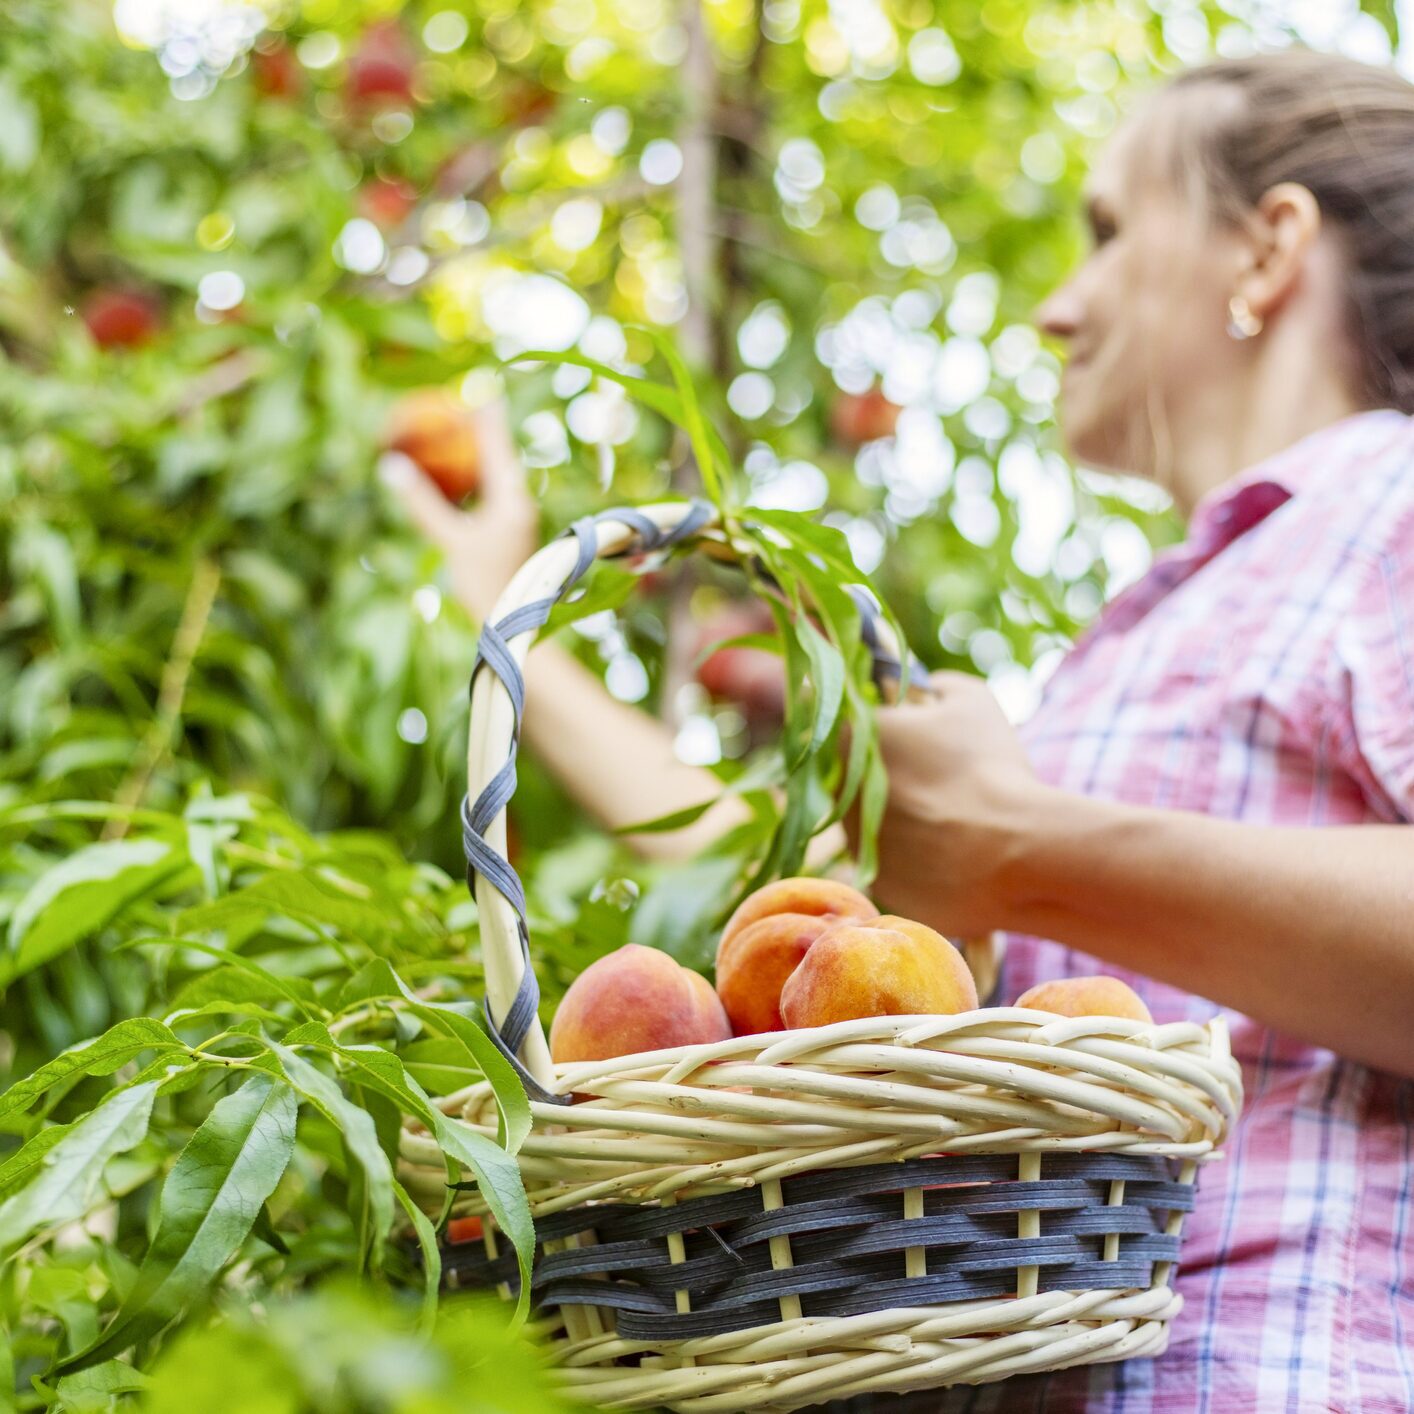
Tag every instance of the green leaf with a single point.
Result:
(681, 408)
(828, 673)
(77, 896)
(431, 1256)
(361, 1135)
(678, 912)
(652, 395)
(496, 1172)
(706, 447)
(1387, 13)
(298, 990)
(102, 1056)
(208, 1206)
(764, 773)
(438, 1064)
(94, 1388)
(377, 978)
(499, 1179)
(21, 1166)
(674, 820)
(7, 1372)
(264, 1228)
(609, 588)
(306, 896)
(70, 1172)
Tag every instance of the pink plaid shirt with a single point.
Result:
(1263, 671)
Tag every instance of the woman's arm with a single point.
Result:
(1309, 931)
(616, 761)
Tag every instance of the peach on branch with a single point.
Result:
(274, 70)
(121, 318)
(381, 68)
(884, 966)
(857, 418)
(1086, 996)
(752, 678)
(434, 428)
(635, 999)
(386, 202)
(766, 938)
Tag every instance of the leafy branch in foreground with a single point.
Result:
(303, 995)
(803, 569)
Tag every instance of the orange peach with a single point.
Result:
(885, 966)
(635, 999)
(464, 1230)
(765, 939)
(857, 418)
(1086, 996)
(435, 428)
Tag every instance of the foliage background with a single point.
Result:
(211, 615)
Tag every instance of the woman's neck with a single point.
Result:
(1286, 397)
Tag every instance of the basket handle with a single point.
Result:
(497, 701)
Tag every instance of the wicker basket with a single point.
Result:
(776, 1221)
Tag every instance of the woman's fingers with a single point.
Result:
(426, 506)
(502, 475)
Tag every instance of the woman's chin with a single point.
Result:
(1105, 443)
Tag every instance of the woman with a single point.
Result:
(1243, 333)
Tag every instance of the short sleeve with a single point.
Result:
(1375, 645)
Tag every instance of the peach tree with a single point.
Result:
(236, 948)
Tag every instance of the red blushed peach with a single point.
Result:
(435, 428)
(1086, 996)
(765, 940)
(635, 999)
(883, 966)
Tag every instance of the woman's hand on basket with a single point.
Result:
(960, 793)
(486, 544)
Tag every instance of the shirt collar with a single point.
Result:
(1251, 496)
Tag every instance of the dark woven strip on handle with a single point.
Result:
(848, 1238)
(494, 653)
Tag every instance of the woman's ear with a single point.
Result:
(1283, 232)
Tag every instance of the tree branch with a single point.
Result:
(157, 740)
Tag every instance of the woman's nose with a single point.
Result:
(1059, 314)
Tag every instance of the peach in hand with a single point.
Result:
(436, 429)
(635, 999)
(885, 966)
(765, 939)
(1086, 996)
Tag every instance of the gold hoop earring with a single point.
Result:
(1241, 322)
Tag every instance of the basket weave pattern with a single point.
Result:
(773, 1221)
(849, 1235)
(768, 1188)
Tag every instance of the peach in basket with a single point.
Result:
(1086, 996)
(765, 940)
(635, 999)
(883, 966)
